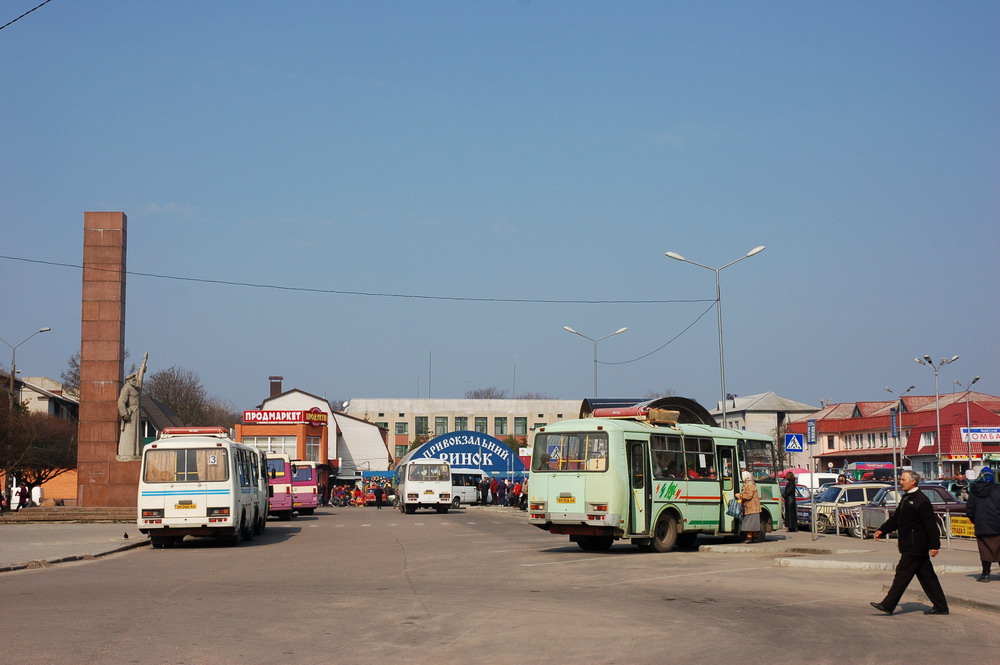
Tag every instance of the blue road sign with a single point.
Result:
(793, 443)
(811, 432)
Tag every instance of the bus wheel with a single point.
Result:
(246, 528)
(306, 511)
(234, 538)
(285, 516)
(686, 539)
(765, 526)
(595, 543)
(665, 535)
(410, 508)
(258, 524)
(158, 542)
(456, 502)
(441, 509)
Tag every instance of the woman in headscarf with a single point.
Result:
(983, 510)
(791, 504)
(750, 499)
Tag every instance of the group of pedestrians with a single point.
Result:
(504, 492)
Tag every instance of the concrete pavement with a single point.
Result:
(36, 545)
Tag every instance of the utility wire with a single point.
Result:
(370, 294)
(24, 14)
(667, 343)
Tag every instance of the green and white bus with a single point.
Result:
(637, 473)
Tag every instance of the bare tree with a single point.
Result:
(220, 413)
(486, 393)
(657, 394)
(534, 396)
(182, 391)
(36, 446)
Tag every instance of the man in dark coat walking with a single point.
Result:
(919, 540)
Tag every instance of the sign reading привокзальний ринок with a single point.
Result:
(471, 450)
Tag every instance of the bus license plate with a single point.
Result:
(566, 499)
(428, 491)
(181, 506)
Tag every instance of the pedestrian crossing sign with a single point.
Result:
(793, 443)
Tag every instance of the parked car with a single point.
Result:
(952, 485)
(875, 513)
(834, 498)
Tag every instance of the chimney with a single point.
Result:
(275, 385)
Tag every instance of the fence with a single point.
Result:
(862, 521)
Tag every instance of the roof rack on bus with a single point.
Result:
(641, 414)
(193, 431)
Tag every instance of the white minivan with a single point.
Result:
(465, 486)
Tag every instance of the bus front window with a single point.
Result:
(585, 451)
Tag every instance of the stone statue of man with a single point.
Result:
(128, 410)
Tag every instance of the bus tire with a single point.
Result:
(665, 534)
(158, 542)
(306, 511)
(595, 543)
(441, 509)
(765, 526)
(686, 539)
(246, 528)
(410, 508)
(284, 516)
(235, 537)
(456, 502)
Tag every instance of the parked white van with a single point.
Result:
(465, 486)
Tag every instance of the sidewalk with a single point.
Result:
(957, 565)
(36, 545)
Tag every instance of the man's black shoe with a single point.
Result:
(881, 608)
(983, 578)
(935, 610)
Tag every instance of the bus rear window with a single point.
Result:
(186, 465)
(302, 473)
(428, 472)
(275, 468)
(584, 451)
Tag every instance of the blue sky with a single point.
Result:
(512, 151)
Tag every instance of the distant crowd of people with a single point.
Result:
(504, 492)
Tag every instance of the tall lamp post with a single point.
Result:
(595, 341)
(718, 310)
(926, 360)
(13, 361)
(968, 422)
(899, 431)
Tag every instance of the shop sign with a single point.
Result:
(981, 435)
(314, 416)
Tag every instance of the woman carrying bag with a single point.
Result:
(751, 507)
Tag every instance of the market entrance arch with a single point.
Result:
(471, 450)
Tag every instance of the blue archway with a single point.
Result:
(470, 450)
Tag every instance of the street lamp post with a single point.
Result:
(13, 361)
(595, 341)
(899, 430)
(968, 421)
(718, 310)
(926, 360)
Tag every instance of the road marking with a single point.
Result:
(364, 525)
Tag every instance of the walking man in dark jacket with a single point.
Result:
(983, 510)
(919, 540)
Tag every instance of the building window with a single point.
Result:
(312, 448)
(539, 425)
(500, 426)
(481, 424)
(421, 425)
(461, 423)
(383, 425)
(381, 415)
(520, 426)
(440, 425)
(402, 427)
(278, 444)
(400, 451)
(829, 443)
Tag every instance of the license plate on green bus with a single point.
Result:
(566, 499)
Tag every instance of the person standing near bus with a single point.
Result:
(751, 507)
(983, 510)
(918, 540)
(791, 505)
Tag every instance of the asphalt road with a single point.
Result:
(472, 586)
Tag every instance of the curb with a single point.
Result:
(46, 563)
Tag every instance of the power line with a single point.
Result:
(665, 344)
(24, 14)
(369, 294)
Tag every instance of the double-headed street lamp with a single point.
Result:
(926, 360)
(899, 432)
(718, 310)
(595, 341)
(13, 361)
(968, 423)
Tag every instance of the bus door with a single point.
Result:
(729, 478)
(640, 486)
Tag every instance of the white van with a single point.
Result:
(815, 481)
(465, 486)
